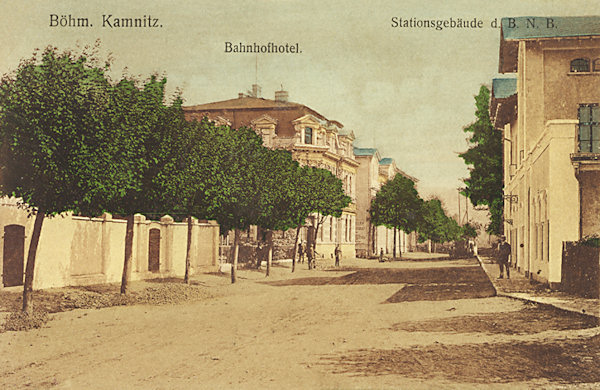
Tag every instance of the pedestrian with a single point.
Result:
(503, 255)
(258, 254)
(310, 256)
(381, 260)
(301, 252)
(338, 255)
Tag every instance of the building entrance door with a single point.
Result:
(14, 253)
(154, 250)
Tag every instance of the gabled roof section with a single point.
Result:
(504, 87)
(347, 133)
(386, 161)
(364, 151)
(503, 104)
(536, 28)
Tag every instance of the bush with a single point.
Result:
(593, 241)
(20, 320)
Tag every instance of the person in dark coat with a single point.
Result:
(338, 255)
(503, 255)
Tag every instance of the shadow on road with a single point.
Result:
(529, 320)
(569, 361)
(422, 284)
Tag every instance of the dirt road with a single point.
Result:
(421, 324)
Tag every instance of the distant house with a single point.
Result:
(550, 118)
(373, 172)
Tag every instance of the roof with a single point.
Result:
(243, 103)
(364, 151)
(503, 88)
(386, 161)
(503, 105)
(243, 110)
(531, 27)
(535, 28)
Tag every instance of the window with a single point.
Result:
(308, 135)
(597, 65)
(589, 128)
(580, 65)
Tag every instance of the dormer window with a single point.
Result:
(580, 65)
(308, 135)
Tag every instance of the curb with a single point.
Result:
(533, 299)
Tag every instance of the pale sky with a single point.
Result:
(407, 92)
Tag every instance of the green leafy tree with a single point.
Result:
(397, 205)
(469, 231)
(485, 183)
(144, 129)
(326, 197)
(435, 225)
(54, 154)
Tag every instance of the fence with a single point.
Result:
(79, 250)
(580, 269)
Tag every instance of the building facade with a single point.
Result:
(550, 120)
(373, 172)
(312, 139)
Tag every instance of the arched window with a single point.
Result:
(580, 65)
(596, 67)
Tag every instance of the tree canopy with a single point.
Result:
(436, 225)
(485, 183)
(397, 205)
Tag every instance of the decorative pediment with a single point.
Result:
(347, 134)
(264, 121)
(308, 120)
(220, 121)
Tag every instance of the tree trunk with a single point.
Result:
(236, 247)
(394, 251)
(128, 254)
(295, 248)
(270, 254)
(30, 268)
(188, 252)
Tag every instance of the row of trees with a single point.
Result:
(73, 140)
(398, 205)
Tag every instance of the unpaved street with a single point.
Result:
(409, 324)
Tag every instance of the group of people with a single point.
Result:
(309, 251)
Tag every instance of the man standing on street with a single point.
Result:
(503, 254)
(310, 256)
(338, 254)
(301, 252)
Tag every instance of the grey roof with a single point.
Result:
(364, 151)
(386, 161)
(530, 27)
(503, 88)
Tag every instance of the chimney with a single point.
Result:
(240, 95)
(281, 96)
(256, 91)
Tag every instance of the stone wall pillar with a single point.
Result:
(105, 242)
(166, 242)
